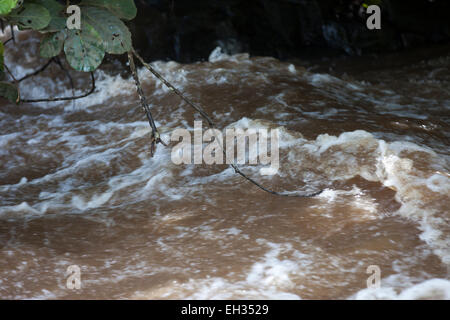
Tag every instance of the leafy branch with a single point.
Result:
(101, 31)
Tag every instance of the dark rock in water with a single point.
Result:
(187, 30)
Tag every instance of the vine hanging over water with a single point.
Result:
(101, 30)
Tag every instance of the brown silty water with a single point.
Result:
(78, 186)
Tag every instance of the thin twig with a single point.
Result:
(155, 134)
(175, 90)
(45, 66)
(13, 36)
(66, 98)
(41, 69)
(7, 41)
(11, 74)
(212, 125)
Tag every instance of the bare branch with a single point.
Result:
(41, 69)
(155, 134)
(13, 37)
(10, 73)
(212, 125)
(66, 98)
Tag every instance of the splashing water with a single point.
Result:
(78, 187)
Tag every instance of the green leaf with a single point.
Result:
(84, 48)
(52, 44)
(57, 16)
(9, 91)
(115, 34)
(30, 16)
(6, 6)
(124, 9)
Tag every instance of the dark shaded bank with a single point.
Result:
(187, 31)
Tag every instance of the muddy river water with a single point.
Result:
(78, 186)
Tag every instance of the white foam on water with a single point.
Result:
(286, 138)
(272, 271)
(6, 139)
(217, 55)
(280, 273)
(321, 78)
(419, 202)
(347, 139)
(171, 71)
(422, 192)
(393, 164)
(45, 295)
(149, 178)
(292, 69)
(269, 278)
(22, 209)
(366, 207)
(95, 202)
(438, 183)
(433, 289)
(214, 288)
(107, 87)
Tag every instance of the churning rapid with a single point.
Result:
(78, 185)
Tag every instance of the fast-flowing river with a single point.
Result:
(78, 186)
